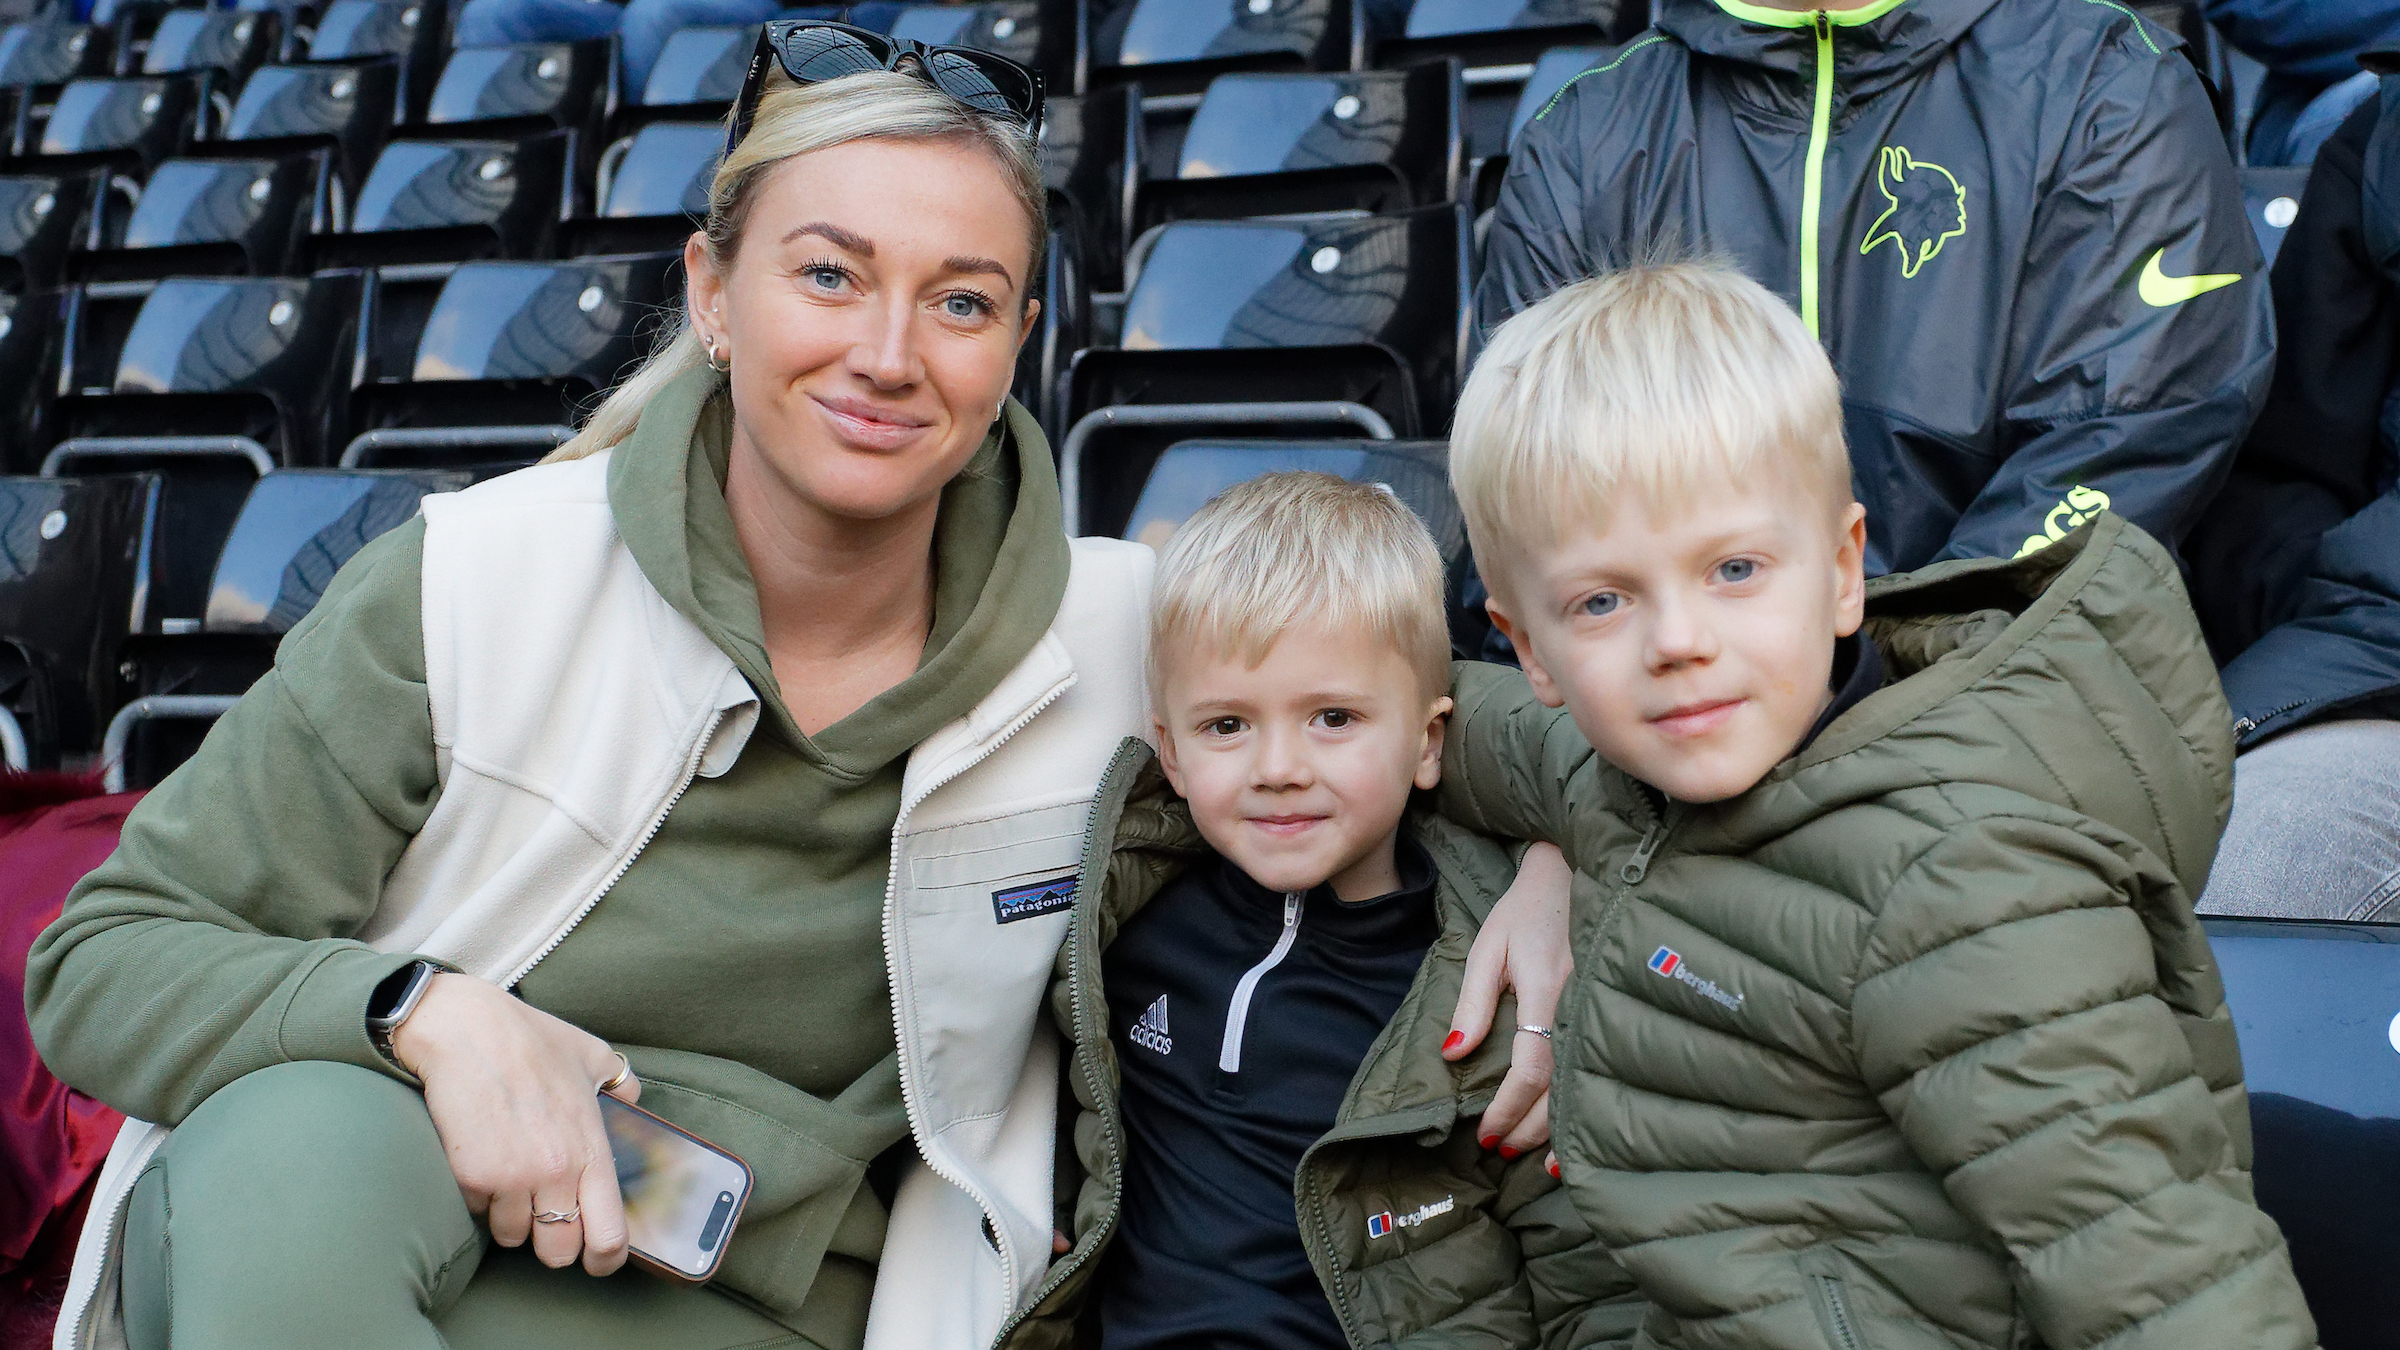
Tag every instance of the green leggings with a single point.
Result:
(310, 1205)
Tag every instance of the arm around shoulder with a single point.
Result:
(1509, 762)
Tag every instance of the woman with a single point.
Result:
(712, 741)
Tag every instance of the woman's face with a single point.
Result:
(873, 315)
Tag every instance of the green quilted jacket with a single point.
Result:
(1509, 1264)
(1917, 1044)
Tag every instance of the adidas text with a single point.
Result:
(1151, 1032)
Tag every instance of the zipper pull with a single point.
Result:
(1638, 866)
(1291, 910)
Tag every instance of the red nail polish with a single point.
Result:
(1488, 1140)
(1509, 1154)
(1553, 1167)
(1456, 1039)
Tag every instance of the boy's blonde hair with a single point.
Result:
(1669, 380)
(1289, 548)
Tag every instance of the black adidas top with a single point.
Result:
(1222, 1094)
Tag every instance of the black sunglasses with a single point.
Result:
(815, 50)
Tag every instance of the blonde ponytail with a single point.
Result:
(796, 119)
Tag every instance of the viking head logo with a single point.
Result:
(1927, 207)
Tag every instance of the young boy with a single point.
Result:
(1274, 1150)
(1891, 1024)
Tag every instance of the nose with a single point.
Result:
(1680, 634)
(1281, 763)
(885, 353)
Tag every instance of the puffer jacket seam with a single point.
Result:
(1945, 944)
(1758, 1111)
(2130, 1325)
(2068, 1111)
(2133, 762)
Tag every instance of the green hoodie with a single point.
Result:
(1917, 1043)
(1503, 1260)
(738, 963)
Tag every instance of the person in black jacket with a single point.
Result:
(2296, 566)
(2012, 223)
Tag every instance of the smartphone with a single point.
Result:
(683, 1194)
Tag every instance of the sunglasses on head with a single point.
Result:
(813, 51)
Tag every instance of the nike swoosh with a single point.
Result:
(2158, 290)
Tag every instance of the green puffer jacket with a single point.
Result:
(1509, 1264)
(1917, 1044)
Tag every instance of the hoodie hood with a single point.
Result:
(1876, 46)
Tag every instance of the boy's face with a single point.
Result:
(1693, 649)
(1298, 769)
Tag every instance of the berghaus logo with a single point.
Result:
(1669, 962)
(1384, 1224)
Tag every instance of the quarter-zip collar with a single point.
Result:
(1401, 920)
(1875, 47)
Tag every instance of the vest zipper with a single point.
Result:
(1237, 1016)
(908, 1096)
(1837, 1312)
(2246, 725)
(1812, 183)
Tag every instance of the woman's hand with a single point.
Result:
(511, 1092)
(1523, 947)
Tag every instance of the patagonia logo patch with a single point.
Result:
(1386, 1223)
(1668, 962)
(1031, 901)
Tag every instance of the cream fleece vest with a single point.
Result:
(572, 705)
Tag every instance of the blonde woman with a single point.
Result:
(688, 765)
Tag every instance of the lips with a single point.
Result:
(869, 426)
(1697, 718)
(1285, 825)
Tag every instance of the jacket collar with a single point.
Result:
(1875, 47)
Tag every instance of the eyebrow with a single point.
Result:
(970, 264)
(858, 244)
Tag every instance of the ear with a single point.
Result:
(703, 289)
(1429, 756)
(1850, 572)
(1033, 320)
(1166, 755)
(1536, 674)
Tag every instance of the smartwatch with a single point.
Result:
(394, 999)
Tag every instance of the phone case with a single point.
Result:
(684, 1158)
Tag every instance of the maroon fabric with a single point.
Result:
(53, 829)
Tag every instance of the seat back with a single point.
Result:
(70, 592)
(37, 53)
(42, 216)
(1192, 472)
(226, 41)
(28, 376)
(348, 107)
(427, 200)
(412, 32)
(565, 85)
(218, 216)
(296, 530)
(134, 121)
(701, 65)
(1016, 29)
(573, 320)
(2271, 198)
(2317, 1009)
(1093, 156)
(1177, 46)
(1373, 141)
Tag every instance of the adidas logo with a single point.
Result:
(1151, 1032)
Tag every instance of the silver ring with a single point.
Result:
(614, 1080)
(558, 1215)
(1543, 1032)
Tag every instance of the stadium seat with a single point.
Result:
(413, 32)
(346, 110)
(495, 369)
(223, 366)
(44, 55)
(295, 529)
(2271, 197)
(1178, 46)
(230, 216)
(2314, 1006)
(1501, 42)
(28, 377)
(127, 124)
(71, 584)
(698, 74)
(1093, 160)
(1065, 329)
(1034, 34)
(1286, 327)
(653, 189)
(42, 216)
(231, 43)
(454, 200)
(1371, 141)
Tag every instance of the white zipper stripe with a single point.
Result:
(1229, 1055)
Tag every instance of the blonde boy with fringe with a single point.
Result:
(1891, 1023)
(1287, 943)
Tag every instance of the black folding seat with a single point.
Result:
(1371, 141)
(295, 530)
(1283, 327)
(219, 216)
(698, 74)
(71, 588)
(28, 377)
(343, 111)
(242, 368)
(41, 55)
(501, 363)
(43, 215)
(219, 46)
(2271, 197)
(653, 189)
(413, 32)
(1094, 160)
(1065, 329)
(1501, 44)
(126, 125)
(533, 86)
(1175, 47)
(1032, 33)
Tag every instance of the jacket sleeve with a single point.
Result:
(1581, 1297)
(2129, 386)
(1510, 765)
(2009, 1017)
(2313, 457)
(214, 941)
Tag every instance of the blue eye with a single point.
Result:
(966, 306)
(825, 278)
(1602, 605)
(1737, 570)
